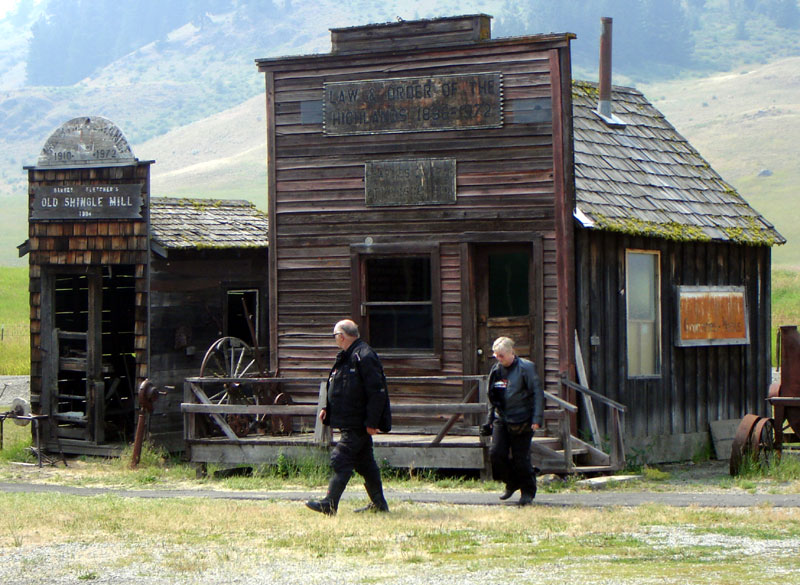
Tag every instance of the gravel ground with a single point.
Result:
(175, 564)
(12, 387)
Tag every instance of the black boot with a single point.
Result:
(526, 499)
(377, 501)
(323, 506)
(372, 507)
(330, 503)
(510, 489)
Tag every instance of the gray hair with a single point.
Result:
(503, 344)
(347, 327)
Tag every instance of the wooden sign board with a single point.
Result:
(712, 315)
(413, 104)
(86, 141)
(410, 182)
(87, 202)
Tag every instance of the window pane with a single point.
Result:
(508, 284)
(409, 327)
(398, 279)
(643, 328)
(399, 307)
(641, 286)
(237, 320)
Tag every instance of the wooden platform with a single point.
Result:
(396, 450)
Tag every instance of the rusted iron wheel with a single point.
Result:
(755, 439)
(762, 441)
(741, 442)
(282, 423)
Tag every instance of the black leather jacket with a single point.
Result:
(356, 394)
(515, 393)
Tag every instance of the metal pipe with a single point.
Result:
(604, 103)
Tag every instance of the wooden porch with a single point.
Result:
(228, 428)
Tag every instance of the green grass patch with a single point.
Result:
(14, 321)
(785, 468)
(17, 442)
(785, 303)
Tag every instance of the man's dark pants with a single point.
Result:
(354, 452)
(517, 472)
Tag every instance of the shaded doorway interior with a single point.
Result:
(92, 361)
(507, 280)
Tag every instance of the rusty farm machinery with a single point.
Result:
(761, 438)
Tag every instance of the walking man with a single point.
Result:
(358, 405)
(516, 404)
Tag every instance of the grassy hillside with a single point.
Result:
(193, 101)
(745, 123)
(223, 156)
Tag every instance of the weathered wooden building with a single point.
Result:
(419, 180)
(673, 278)
(124, 287)
(444, 187)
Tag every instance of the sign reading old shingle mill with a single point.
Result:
(123, 201)
(89, 141)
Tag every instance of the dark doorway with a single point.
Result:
(508, 296)
(89, 367)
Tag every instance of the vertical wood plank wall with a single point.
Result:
(698, 385)
(505, 183)
(188, 290)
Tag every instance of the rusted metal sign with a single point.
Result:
(86, 202)
(410, 182)
(712, 315)
(413, 104)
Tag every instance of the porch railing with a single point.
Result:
(472, 408)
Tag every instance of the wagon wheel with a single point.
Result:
(230, 357)
(754, 439)
(741, 441)
(762, 442)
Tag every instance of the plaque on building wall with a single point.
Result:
(427, 181)
(413, 104)
(712, 315)
(86, 202)
(86, 141)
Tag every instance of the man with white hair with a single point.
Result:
(358, 405)
(516, 410)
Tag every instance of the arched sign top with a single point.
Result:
(86, 141)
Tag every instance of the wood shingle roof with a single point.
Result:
(207, 223)
(644, 178)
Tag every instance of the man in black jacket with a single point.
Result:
(517, 401)
(356, 404)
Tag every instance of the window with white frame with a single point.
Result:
(643, 312)
(399, 298)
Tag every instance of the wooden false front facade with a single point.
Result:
(125, 287)
(427, 151)
(89, 254)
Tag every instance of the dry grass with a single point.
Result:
(195, 535)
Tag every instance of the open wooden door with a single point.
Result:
(88, 362)
(508, 295)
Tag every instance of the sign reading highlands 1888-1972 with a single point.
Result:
(414, 104)
(123, 201)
